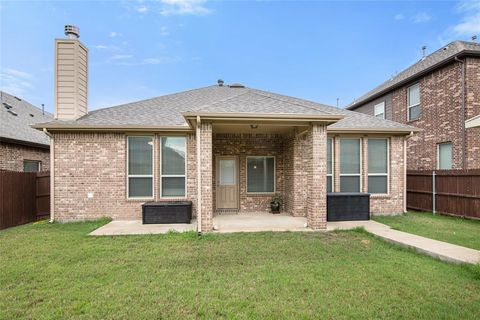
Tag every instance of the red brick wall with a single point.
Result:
(472, 77)
(12, 156)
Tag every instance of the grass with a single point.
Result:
(57, 271)
(454, 230)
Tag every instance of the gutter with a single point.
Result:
(199, 176)
(464, 130)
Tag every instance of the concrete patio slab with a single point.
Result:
(438, 249)
(131, 227)
(257, 222)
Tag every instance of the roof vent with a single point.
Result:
(12, 112)
(17, 98)
(236, 85)
(445, 48)
(31, 115)
(72, 32)
(474, 38)
(7, 106)
(220, 82)
(424, 52)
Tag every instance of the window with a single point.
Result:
(139, 167)
(413, 102)
(350, 165)
(378, 165)
(260, 174)
(329, 165)
(444, 151)
(173, 166)
(32, 165)
(379, 110)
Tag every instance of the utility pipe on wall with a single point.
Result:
(433, 192)
(199, 175)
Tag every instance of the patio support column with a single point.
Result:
(317, 177)
(206, 167)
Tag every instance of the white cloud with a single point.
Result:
(100, 46)
(142, 9)
(121, 56)
(470, 22)
(113, 34)
(164, 31)
(421, 17)
(183, 7)
(15, 82)
(160, 60)
(399, 17)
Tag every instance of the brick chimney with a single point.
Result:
(71, 76)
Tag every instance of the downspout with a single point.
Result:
(199, 176)
(405, 172)
(464, 131)
(52, 176)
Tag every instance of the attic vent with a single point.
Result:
(12, 112)
(7, 106)
(31, 115)
(18, 98)
(236, 85)
(445, 48)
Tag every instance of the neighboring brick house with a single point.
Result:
(22, 148)
(438, 94)
(227, 148)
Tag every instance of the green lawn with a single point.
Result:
(57, 271)
(454, 230)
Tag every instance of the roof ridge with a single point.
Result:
(148, 99)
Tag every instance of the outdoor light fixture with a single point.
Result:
(254, 126)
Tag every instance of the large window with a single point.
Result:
(260, 174)
(139, 167)
(350, 165)
(444, 151)
(413, 102)
(378, 166)
(329, 165)
(173, 166)
(379, 110)
(32, 165)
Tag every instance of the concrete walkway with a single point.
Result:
(438, 249)
(257, 222)
(131, 227)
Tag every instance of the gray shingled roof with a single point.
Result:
(16, 118)
(167, 110)
(436, 58)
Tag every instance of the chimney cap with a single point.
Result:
(220, 82)
(72, 32)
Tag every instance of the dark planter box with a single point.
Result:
(348, 206)
(167, 212)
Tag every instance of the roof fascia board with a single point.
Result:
(25, 143)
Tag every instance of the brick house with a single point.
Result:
(22, 148)
(439, 94)
(226, 148)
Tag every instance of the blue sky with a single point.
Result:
(139, 49)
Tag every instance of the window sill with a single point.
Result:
(412, 121)
(139, 199)
(380, 196)
(260, 194)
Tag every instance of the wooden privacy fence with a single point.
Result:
(24, 197)
(455, 192)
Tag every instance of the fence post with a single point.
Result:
(433, 192)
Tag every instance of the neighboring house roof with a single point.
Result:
(436, 59)
(167, 110)
(16, 118)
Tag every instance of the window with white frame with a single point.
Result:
(260, 174)
(350, 165)
(32, 165)
(140, 166)
(378, 165)
(173, 177)
(379, 110)
(329, 165)
(413, 109)
(444, 151)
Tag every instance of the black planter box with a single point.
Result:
(167, 212)
(348, 206)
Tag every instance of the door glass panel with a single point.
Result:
(227, 172)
